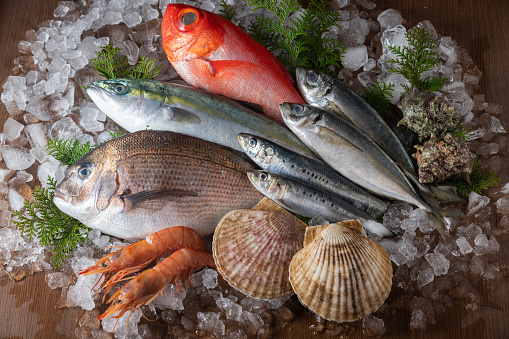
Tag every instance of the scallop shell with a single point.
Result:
(340, 274)
(252, 250)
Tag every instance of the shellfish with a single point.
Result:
(340, 274)
(252, 249)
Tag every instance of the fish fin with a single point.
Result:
(251, 105)
(439, 222)
(181, 115)
(143, 198)
(332, 138)
(452, 214)
(430, 190)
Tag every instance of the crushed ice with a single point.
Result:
(45, 101)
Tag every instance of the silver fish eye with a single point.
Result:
(252, 142)
(84, 171)
(120, 89)
(298, 109)
(188, 18)
(313, 77)
(263, 176)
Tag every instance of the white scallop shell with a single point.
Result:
(252, 250)
(340, 274)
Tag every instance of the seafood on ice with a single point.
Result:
(253, 248)
(210, 52)
(187, 256)
(340, 274)
(140, 104)
(143, 182)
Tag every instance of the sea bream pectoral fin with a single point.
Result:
(146, 199)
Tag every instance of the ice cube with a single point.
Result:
(127, 326)
(438, 262)
(399, 82)
(12, 129)
(209, 277)
(57, 280)
(232, 310)
(485, 246)
(65, 128)
(355, 57)
(252, 322)
(132, 19)
(477, 265)
(464, 245)
(210, 322)
(148, 12)
(476, 202)
(171, 298)
(60, 11)
(425, 277)
(503, 205)
(17, 158)
(16, 201)
(389, 19)
(373, 326)
(83, 292)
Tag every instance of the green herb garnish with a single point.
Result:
(111, 66)
(43, 220)
(481, 178)
(419, 57)
(67, 151)
(227, 11)
(299, 40)
(378, 96)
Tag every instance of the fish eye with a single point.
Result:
(84, 171)
(120, 89)
(263, 176)
(188, 18)
(252, 142)
(313, 77)
(298, 109)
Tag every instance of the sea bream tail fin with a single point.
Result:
(144, 199)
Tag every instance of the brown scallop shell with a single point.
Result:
(340, 274)
(253, 248)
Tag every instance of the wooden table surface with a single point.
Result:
(28, 307)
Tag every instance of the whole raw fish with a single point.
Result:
(210, 52)
(310, 202)
(281, 161)
(137, 105)
(331, 94)
(352, 153)
(143, 182)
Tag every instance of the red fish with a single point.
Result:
(210, 52)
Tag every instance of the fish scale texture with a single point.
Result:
(207, 181)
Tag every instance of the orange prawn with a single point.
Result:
(146, 286)
(133, 258)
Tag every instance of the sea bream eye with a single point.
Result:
(84, 171)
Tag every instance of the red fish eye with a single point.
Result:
(187, 19)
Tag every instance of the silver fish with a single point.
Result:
(331, 94)
(139, 104)
(143, 182)
(281, 161)
(310, 202)
(352, 153)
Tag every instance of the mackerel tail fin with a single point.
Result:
(439, 222)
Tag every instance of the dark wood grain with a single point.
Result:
(28, 307)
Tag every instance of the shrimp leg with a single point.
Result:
(131, 259)
(146, 286)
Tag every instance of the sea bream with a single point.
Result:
(139, 104)
(143, 182)
(310, 202)
(331, 94)
(281, 161)
(352, 153)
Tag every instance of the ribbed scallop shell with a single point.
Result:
(340, 274)
(253, 249)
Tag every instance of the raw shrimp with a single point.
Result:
(146, 286)
(133, 258)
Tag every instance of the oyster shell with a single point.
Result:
(252, 250)
(441, 158)
(426, 113)
(340, 274)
